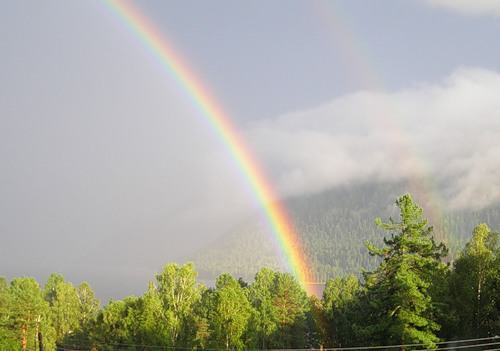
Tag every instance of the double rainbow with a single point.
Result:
(222, 126)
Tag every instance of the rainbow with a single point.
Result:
(356, 57)
(222, 126)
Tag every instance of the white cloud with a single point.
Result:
(468, 7)
(448, 132)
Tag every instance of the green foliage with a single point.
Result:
(260, 294)
(29, 315)
(178, 293)
(475, 284)
(280, 310)
(411, 297)
(89, 305)
(401, 306)
(87, 310)
(200, 319)
(112, 326)
(8, 338)
(290, 302)
(150, 328)
(229, 315)
(316, 325)
(64, 303)
(340, 298)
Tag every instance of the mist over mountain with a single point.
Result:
(333, 226)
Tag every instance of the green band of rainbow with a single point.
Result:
(210, 110)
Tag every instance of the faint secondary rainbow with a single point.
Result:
(222, 126)
(357, 58)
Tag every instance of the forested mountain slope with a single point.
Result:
(334, 226)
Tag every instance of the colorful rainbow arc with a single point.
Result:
(276, 215)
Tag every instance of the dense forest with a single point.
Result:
(333, 226)
(413, 297)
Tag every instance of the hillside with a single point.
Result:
(334, 226)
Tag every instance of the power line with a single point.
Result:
(415, 345)
(67, 347)
(469, 346)
(467, 340)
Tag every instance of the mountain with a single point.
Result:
(333, 226)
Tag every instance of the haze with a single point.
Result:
(109, 171)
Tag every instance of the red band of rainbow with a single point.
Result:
(223, 127)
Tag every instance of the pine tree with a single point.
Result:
(401, 308)
(291, 304)
(8, 335)
(29, 316)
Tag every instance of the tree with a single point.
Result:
(86, 311)
(112, 324)
(152, 328)
(89, 305)
(199, 320)
(178, 292)
(64, 306)
(316, 323)
(230, 313)
(474, 284)
(280, 307)
(8, 339)
(290, 303)
(402, 310)
(264, 314)
(339, 301)
(29, 316)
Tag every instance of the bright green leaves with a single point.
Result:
(401, 305)
(290, 302)
(165, 316)
(269, 313)
(112, 324)
(64, 306)
(178, 293)
(475, 282)
(280, 310)
(8, 338)
(88, 305)
(29, 314)
(230, 313)
(260, 294)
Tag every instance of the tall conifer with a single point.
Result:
(402, 310)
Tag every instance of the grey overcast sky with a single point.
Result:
(108, 171)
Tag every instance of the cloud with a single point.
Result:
(466, 7)
(447, 132)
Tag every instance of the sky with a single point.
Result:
(109, 170)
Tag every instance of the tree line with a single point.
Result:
(412, 297)
(332, 227)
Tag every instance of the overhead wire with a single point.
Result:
(454, 347)
(120, 346)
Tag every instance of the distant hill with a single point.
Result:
(334, 226)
